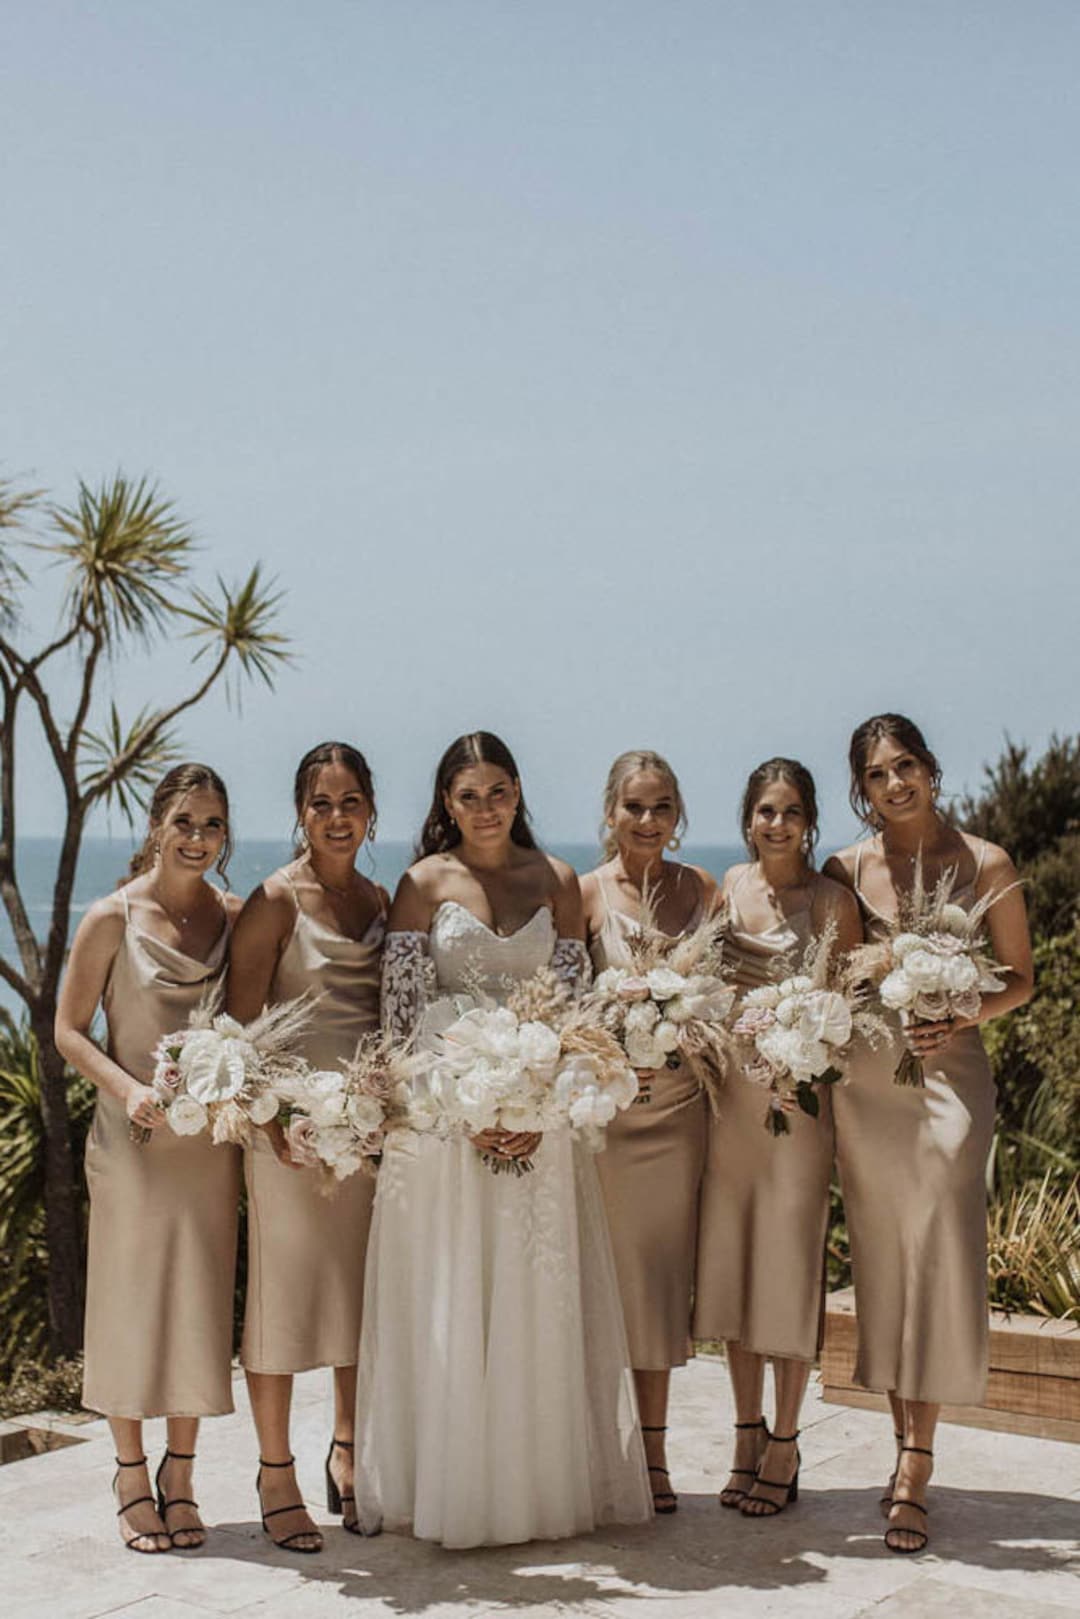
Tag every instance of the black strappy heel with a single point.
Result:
(668, 1496)
(144, 1534)
(335, 1501)
(906, 1501)
(286, 1544)
(178, 1501)
(769, 1509)
(738, 1495)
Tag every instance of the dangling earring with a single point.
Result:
(674, 842)
(371, 833)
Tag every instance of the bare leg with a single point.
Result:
(341, 1456)
(896, 1405)
(652, 1397)
(747, 1372)
(271, 1398)
(908, 1529)
(176, 1480)
(139, 1525)
(781, 1458)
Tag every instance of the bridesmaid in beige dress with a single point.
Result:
(315, 925)
(765, 1200)
(163, 1210)
(913, 1160)
(650, 1170)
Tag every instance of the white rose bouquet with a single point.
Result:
(221, 1075)
(934, 965)
(534, 1064)
(672, 1003)
(796, 1034)
(337, 1120)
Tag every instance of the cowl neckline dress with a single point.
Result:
(650, 1174)
(912, 1165)
(306, 1249)
(765, 1199)
(161, 1253)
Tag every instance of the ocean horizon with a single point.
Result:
(103, 863)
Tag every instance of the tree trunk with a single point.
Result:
(63, 1234)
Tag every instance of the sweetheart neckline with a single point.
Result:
(504, 938)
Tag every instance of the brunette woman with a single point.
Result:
(912, 1160)
(163, 1207)
(650, 1170)
(765, 1199)
(316, 926)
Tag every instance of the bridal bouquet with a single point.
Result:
(798, 1032)
(935, 963)
(221, 1075)
(672, 1002)
(337, 1120)
(531, 1065)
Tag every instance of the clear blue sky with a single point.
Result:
(686, 374)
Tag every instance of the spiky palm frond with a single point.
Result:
(125, 548)
(15, 507)
(131, 790)
(240, 624)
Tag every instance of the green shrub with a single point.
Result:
(36, 1387)
(1034, 1250)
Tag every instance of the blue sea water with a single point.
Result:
(104, 861)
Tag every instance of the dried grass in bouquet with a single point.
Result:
(934, 964)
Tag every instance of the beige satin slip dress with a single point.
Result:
(161, 1258)
(650, 1175)
(765, 1198)
(912, 1168)
(306, 1249)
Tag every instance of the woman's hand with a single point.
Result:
(508, 1143)
(143, 1108)
(927, 1039)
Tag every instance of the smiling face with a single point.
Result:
(778, 823)
(336, 813)
(483, 800)
(191, 835)
(898, 785)
(645, 815)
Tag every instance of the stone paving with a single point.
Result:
(1005, 1513)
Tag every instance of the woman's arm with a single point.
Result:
(260, 932)
(1010, 939)
(93, 951)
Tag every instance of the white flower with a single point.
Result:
(666, 1035)
(663, 983)
(424, 1113)
(642, 1019)
(539, 1048)
(960, 973)
(954, 919)
(623, 1088)
(214, 1064)
(633, 989)
(826, 1016)
(593, 1109)
(577, 1073)
(262, 1108)
(924, 969)
(787, 1050)
(798, 985)
(187, 1116)
(609, 980)
(643, 1051)
(522, 1115)
(897, 991)
(904, 944)
(766, 995)
(364, 1114)
(323, 1097)
(787, 1011)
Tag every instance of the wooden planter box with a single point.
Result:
(1034, 1384)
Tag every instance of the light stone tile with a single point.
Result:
(933, 1598)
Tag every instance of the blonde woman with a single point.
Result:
(163, 1207)
(650, 1171)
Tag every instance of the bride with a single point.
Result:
(495, 1401)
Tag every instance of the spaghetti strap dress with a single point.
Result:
(650, 1175)
(306, 1249)
(765, 1198)
(161, 1256)
(912, 1168)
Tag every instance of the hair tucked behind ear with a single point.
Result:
(881, 728)
(331, 753)
(774, 770)
(438, 832)
(177, 783)
(632, 764)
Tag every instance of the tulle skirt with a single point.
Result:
(495, 1400)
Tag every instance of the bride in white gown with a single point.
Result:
(495, 1400)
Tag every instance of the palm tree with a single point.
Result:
(127, 558)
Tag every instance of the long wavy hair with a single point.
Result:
(632, 764)
(177, 783)
(439, 833)
(766, 774)
(881, 728)
(330, 753)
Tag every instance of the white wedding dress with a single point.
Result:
(495, 1400)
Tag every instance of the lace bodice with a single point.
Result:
(461, 954)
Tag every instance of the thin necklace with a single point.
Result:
(177, 918)
(331, 888)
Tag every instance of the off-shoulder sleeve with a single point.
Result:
(570, 963)
(408, 979)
